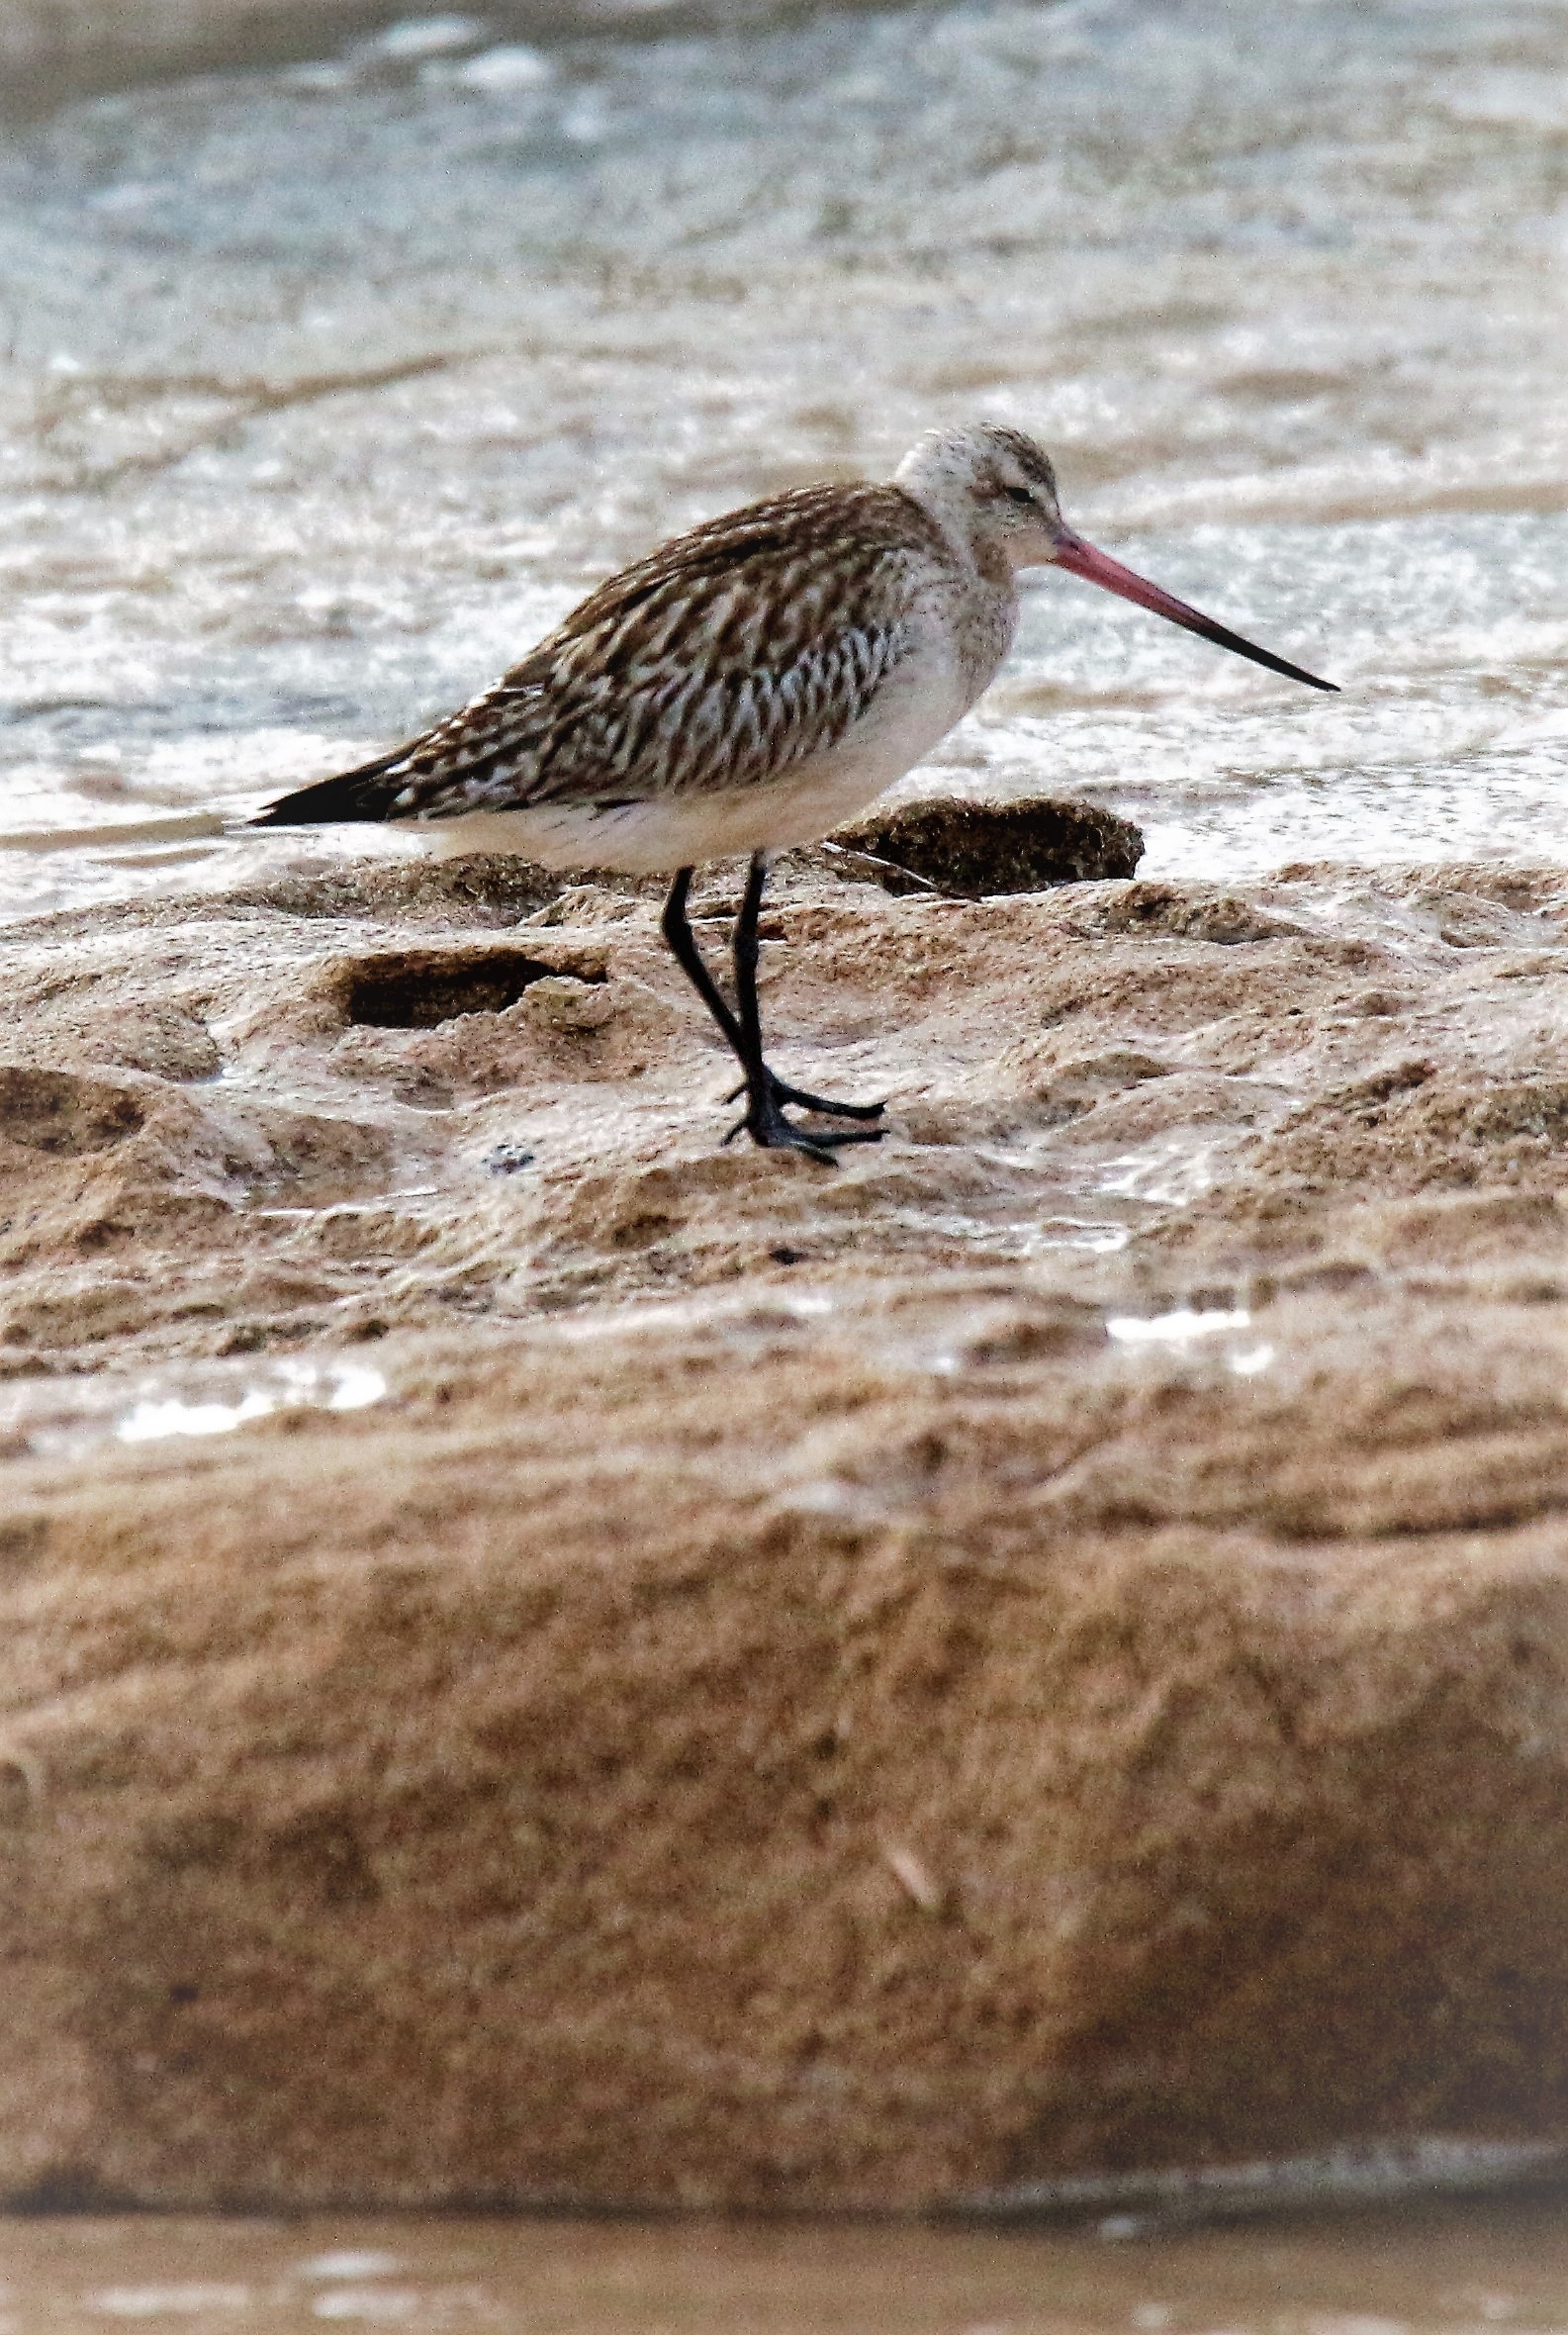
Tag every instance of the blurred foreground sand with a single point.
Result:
(1042, 1652)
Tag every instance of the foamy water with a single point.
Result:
(324, 386)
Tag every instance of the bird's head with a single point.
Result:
(993, 488)
(992, 491)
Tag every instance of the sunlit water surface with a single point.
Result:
(324, 386)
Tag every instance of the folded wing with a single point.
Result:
(724, 659)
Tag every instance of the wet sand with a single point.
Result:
(1038, 1654)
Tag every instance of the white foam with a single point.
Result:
(1354, 2173)
(385, 2305)
(1180, 1327)
(350, 2265)
(290, 1385)
(426, 35)
(510, 66)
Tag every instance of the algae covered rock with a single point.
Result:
(978, 850)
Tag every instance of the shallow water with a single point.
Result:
(325, 385)
(1461, 2270)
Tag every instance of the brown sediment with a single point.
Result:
(1042, 1652)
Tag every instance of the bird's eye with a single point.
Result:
(1021, 495)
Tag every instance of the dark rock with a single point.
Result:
(979, 849)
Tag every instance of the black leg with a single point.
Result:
(682, 944)
(766, 1094)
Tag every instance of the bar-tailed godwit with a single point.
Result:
(749, 686)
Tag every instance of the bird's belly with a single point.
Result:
(653, 834)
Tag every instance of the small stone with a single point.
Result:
(508, 1159)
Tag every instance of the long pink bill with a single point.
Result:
(1081, 559)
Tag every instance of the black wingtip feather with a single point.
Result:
(348, 796)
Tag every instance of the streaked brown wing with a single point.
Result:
(721, 660)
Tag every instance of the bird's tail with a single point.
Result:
(365, 794)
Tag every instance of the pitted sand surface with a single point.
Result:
(1042, 1652)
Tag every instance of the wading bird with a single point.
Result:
(750, 686)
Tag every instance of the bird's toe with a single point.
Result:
(826, 1103)
(782, 1092)
(770, 1131)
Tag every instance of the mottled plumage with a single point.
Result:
(749, 686)
(725, 660)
